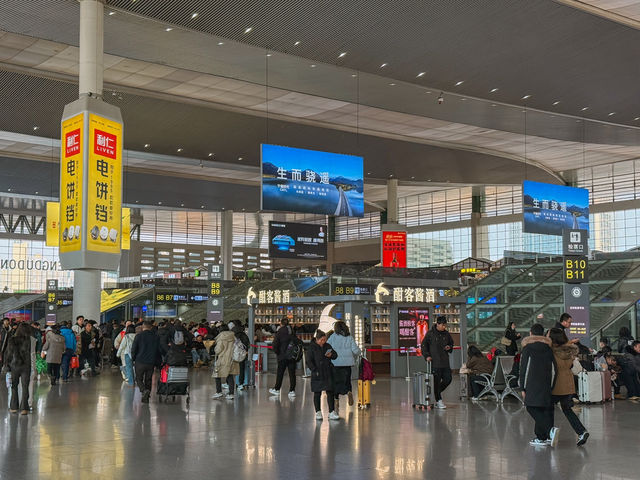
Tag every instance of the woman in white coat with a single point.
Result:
(348, 352)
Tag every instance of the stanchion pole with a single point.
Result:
(408, 377)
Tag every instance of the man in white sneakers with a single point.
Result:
(436, 347)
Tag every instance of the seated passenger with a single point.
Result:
(477, 365)
(199, 352)
(626, 376)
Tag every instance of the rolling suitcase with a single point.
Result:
(364, 394)
(590, 389)
(423, 394)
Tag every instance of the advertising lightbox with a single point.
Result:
(549, 209)
(394, 249)
(413, 325)
(311, 181)
(297, 240)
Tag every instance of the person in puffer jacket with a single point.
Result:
(348, 352)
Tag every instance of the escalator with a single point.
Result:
(525, 294)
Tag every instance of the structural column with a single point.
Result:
(392, 201)
(86, 282)
(226, 244)
(476, 204)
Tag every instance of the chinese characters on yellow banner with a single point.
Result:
(126, 228)
(104, 187)
(70, 225)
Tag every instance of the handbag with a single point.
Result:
(75, 363)
(505, 341)
(41, 365)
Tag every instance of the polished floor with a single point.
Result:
(98, 429)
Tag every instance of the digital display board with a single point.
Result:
(311, 181)
(297, 240)
(394, 249)
(549, 209)
(413, 325)
(575, 269)
(352, 289)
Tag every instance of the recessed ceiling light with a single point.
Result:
(180, 149)
(248, 29)
(342, 54)
(584, 109)
(384, 65)
(37, 193)
(211, 154)
(112, 13)
(392, 84)
(159, 203)
(35, 127)
(194, 15)
(240, 158)
(220, 43)
(202, 206)
(412, 178)
(296, 43)
(493, 105)
(182, 204)
(611, 114)
(146, 145)
(268, 54)
(526, 97)
(556, 102)
(313, 65)
(168, 29)
(354, 75)
(493, 90)
(421, 74)
(463, 99)
(637, 118)
(459, 83)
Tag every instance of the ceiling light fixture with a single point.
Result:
(611, 114)
(493, 90)
(36, 128)
(421, 74)
(268, 54)
(459, 83)
(556, 102)
(342, 54)
(296, 43)
(248, 30)
(313, 65)
(112, 13)
(180, 149)
(526, 97)
(392, 84)
(384, 65)
(147, 145)
(584, 109)
(220, 43)
(240, 158)
(168, 29)
(354, 75)
(194, 15)
(637, 118)
(211, 154)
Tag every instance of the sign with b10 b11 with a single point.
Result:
(575, 269)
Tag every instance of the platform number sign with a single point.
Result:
(575, 269)
(215, 302)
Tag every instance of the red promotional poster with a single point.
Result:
(394, 249)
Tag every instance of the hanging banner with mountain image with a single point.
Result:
(549, 209)
(311, 181)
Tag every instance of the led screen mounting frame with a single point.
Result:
(298, 241)
(549, 209)
(311, 181)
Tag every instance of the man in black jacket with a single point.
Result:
(537, 377)
(436, 347)
(5, 334)
(145, 353)
(281, 341)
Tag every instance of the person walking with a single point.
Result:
(52, 350)
(18, 361)
(537, 367)
(225, 367)
(124, 354)
(511, 334)
(5, 334)
(564, 389)
(477, 364)
(281, 341)
(145, 355)
(238, 331)
(319, 356)
(436, 347)
(69, 350)
(348, 352)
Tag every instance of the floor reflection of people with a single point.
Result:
(439, 460)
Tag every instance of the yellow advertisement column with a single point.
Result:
(71, 184)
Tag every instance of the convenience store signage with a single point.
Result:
(414, 295)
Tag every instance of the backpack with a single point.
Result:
(239, 351)
(366, 370)
(295, 349)
(178, 338)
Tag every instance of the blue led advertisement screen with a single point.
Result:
(297, 240)
(549, 209)
(310, 181)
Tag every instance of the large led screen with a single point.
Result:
(549, 209)
(297, 240)
(310, 181)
